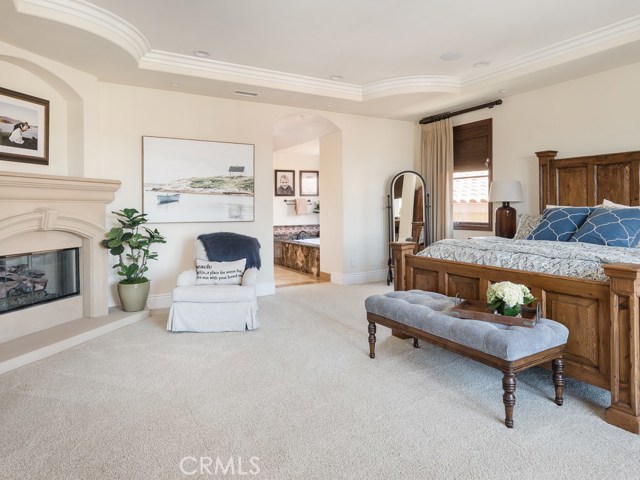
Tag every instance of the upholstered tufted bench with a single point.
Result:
(423, 315)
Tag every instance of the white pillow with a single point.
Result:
(219, 273)
(609, 204)
(574, 206)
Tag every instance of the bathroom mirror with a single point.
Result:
(407, 203)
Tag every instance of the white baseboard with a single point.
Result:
(263, 289)
(359, 278)
(159, 301)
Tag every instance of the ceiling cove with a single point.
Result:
(101, 22)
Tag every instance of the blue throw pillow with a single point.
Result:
(560, 224)
(618, 227)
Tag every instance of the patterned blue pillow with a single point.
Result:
(560, 224)
(618, 227)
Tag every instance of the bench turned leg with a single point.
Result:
(372, 340)
(509, 398)
(416, 343)
(558, 378)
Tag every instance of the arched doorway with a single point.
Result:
(298, 162)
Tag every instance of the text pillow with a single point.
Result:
(219, 273)
(618, 227)
(560, 224)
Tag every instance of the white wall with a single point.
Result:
(293, 159)
(375, 150)
(72, 97)
(128, 113)
(96, 131)
(591, 115)
(331, 208)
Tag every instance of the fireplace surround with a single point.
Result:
(40, 213)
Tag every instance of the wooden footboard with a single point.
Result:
(602, 318)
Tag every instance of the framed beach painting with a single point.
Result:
(24, 128)
(309, 183)
(197, 180)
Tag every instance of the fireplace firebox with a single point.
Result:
(29, 279)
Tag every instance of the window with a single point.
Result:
(472, 162)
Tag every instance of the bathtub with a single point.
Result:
(309, 241)
(302, 255)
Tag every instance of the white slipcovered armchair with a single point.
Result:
(198, 307)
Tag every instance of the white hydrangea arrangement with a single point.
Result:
(506, 298)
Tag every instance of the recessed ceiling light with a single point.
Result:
(336, 77)
(448, 56)
(175, 84)
(481, 64)
(503, 90)
(201, 53)
(242, 93)
(329, 105)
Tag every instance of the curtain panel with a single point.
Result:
(437, 169)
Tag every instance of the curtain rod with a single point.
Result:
(442, 116)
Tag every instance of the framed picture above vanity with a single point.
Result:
(309, 185)
(285, 183)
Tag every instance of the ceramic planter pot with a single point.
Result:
(133, 297)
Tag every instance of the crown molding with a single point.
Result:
(91, 18)
(86, 16)
(576, 47)
(230, 72)
(413, 84)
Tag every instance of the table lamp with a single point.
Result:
(505, 191)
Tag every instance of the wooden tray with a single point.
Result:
(476, 310)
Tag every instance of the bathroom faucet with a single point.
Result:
(299, 235)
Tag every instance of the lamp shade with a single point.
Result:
(505, 191)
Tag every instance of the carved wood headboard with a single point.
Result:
(587, 181)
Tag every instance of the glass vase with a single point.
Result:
(509, 311)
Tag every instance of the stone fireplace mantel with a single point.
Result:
(44, 212)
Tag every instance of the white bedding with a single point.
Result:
(569, 259)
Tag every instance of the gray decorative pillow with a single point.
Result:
(526, 225)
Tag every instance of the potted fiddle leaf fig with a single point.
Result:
(131, 243)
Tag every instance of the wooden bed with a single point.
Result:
(602, 317)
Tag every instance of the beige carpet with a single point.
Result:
(297, 399)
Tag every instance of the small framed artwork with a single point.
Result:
(24, 128)
(285, 183)
(309, 183)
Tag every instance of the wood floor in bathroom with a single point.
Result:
(285, 277)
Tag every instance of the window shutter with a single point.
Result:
(472, 146)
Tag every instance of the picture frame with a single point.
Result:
(284, 183)
(188, 180)
(309, 183)
(24, 128)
